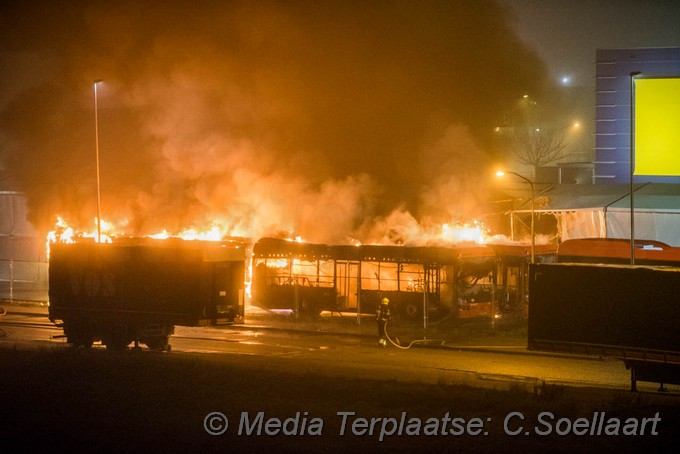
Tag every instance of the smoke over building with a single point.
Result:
(322, 119)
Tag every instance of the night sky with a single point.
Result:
(566, 34)
(327, 119)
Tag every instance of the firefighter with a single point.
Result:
(383, 316)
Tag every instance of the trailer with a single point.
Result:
(139, 290)
(626, 312)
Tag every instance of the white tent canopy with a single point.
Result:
(603, 211)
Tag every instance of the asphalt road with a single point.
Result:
(276, 385)
(482, 361)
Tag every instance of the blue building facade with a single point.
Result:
(613, 107)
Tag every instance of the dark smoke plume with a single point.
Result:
(310, 117)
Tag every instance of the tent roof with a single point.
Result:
(657, 197)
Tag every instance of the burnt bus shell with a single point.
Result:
(141, 284)
(313, 292)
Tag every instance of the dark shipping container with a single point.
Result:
(139, 290)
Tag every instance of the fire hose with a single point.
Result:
(412, 343)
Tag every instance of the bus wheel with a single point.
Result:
(309, 309)
(411, 310)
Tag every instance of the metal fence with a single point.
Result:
(23, 258)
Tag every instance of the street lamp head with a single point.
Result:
(501, 173)
(96, 81)
(635, 73)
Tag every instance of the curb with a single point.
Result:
(27, 311)
(434, 343)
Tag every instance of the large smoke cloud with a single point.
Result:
(312, 118)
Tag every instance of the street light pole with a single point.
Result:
(632, 167)
(96, 142)
(533, 196)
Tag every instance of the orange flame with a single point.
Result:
(64, 233)
(476, 233)
(447, 233)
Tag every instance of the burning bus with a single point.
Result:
(422, 283)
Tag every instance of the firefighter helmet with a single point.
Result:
(385, 301)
